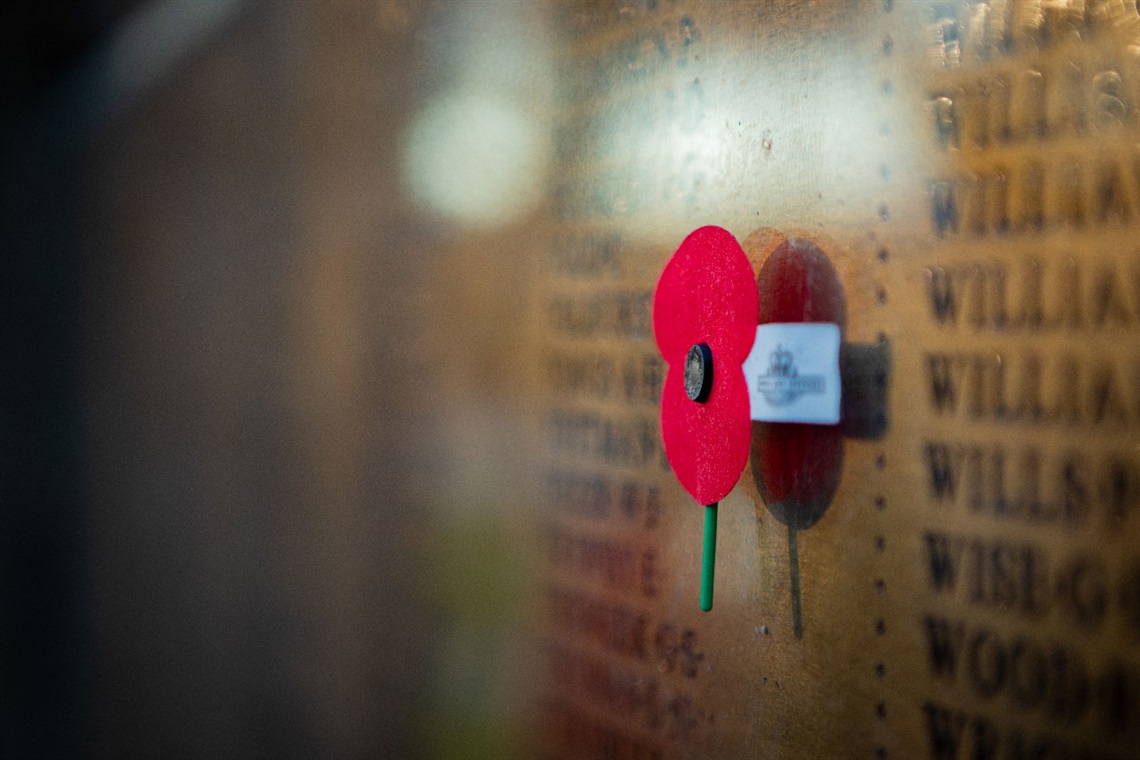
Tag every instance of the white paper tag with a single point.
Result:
(793, 373)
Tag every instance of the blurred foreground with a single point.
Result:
(255, 447)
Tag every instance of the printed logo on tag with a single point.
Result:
(793, 373)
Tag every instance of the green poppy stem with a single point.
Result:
(708, 563)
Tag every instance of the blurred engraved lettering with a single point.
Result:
(1035, 304)
(985, 226)
(946, 121)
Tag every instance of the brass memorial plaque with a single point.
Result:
(352, 404)
(972, 590)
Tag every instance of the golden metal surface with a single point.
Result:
(973, 590)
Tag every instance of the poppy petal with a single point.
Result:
(707, 294)
(707, 444)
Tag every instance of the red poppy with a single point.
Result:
(704, 317)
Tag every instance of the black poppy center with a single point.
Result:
(698, 373)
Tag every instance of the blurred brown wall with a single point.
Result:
(230, 497)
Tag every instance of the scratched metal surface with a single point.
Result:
(973, 589)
